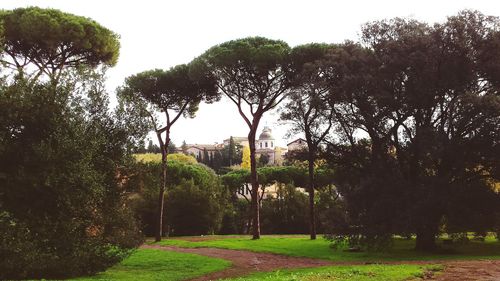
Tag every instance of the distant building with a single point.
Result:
(264, 145)
(243, 141)
(297, 144)
(197, 150)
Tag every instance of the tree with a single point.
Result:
(231, 151)
(245, 158)
(171, 148)
(152, 148)
(195, 198)
(52, 41)
(217, 161)
(175, 93)
(206, 157)
(263, 160)
(251, 73)
(284, 214)
(66, 209)
(184, 147)
(310, 107)
(446, 92)
(278, 158)
(426, 97)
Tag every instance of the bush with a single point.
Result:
(191, 210)
(287, 213)
(63, 209)
(194, 197)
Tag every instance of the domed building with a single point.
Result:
(265, 145)
(266, 139)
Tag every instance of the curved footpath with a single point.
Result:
(246, 262)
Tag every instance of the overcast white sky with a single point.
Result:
(161, 34)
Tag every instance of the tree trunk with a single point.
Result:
(161, 194)
(254, 181)
(248, 225)
(426, 239)
(310, 183)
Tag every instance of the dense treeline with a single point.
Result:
(427, 99)
(201, 203)
(408, 118)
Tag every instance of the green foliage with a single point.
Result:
(53, 40)
(194, 195)
(59, 163)
(286, 213)
(251, 73)
(63, 210)
(310, 107)
(235, 217)
(192, 210)
(263, 160)
(232, 153)
(149, 264)
(167, 90)
(267, 176)
(426, 96)
(256, 55)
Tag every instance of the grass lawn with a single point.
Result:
(344, 273)
(150, 264)
(303, 247)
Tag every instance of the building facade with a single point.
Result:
(198, 150)
(264, 145)
(298, 144)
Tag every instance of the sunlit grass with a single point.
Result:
(301, 246)
(343, 273)
(151, 264)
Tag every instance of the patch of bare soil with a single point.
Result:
(246, 262)
(470, 270)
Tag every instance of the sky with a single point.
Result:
(162, 34)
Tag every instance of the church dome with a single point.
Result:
(266, 134)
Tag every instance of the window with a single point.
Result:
(260, 145)
(266, 143)
(271, 144)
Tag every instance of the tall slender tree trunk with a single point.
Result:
(254, 182)
(426, 238)
(310, 183)
(161, 194)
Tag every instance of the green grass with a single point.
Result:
(343, 273)
(301, 246)
(150, 264)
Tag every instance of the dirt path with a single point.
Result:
(246, 262)
(472, 270)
